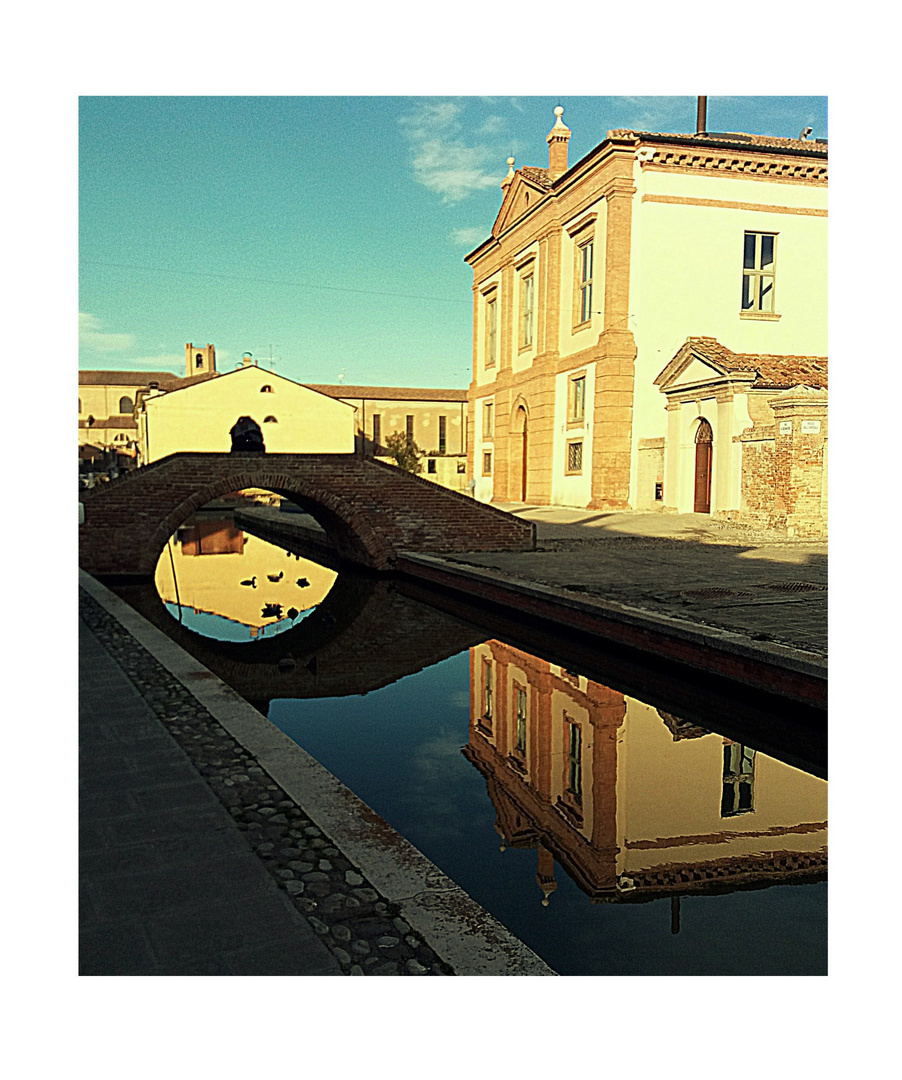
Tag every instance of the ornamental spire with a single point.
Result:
(558, 138)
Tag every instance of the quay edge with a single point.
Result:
(768, 667)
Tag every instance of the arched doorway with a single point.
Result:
(704, 440)
(519, 453)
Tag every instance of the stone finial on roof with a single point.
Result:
(505, 183)
(557, 139)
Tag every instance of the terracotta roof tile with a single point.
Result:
(165, 379)
(124, 422)
(542, 177)
(126, 378)
(774, 371)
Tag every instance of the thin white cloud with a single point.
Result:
(468, 237)
(91, 335)
(442, 160)
(491, 125)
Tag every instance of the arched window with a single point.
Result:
(270, 420)
(199, 360)
(126, 405)
(266, 389)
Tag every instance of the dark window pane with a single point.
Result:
(748, 261)
(748, 287)
(767, 252)
(726, 801)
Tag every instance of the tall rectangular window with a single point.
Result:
(491, 330)
(521, 721)
(527, 309)
(409, 427)
(575, 762)
(487, 463)
(576, 404)
(442, 434)
(758, 272)
(377, 429)
(487, 698)
(738, 780)
(488, 425)
(585, 257)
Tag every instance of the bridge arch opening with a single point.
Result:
(228, 572)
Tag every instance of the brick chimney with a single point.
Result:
(558, 138)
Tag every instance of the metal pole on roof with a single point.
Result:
(701, 116)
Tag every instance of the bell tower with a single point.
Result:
(199, 360)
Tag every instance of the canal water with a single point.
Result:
(613, 836)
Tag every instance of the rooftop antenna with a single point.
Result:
(701, 121)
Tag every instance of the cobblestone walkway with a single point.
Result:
(359, 932)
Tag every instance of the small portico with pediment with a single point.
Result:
(718, 404)
(707, 409)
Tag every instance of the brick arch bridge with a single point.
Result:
(371, 511)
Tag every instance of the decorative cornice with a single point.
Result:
(760, 165)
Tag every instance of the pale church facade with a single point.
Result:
(637, 316)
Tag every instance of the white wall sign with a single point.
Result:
(811, 427)
(785, 427)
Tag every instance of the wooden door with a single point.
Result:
(523, 459)
(704, 439)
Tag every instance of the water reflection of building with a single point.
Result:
(632, 802)
(214, 567)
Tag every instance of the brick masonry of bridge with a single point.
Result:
(372, 511)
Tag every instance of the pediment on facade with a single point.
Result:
(702, 360)
(688, 369)
(521, 195)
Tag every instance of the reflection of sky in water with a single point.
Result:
(398, 748)
(222, 629)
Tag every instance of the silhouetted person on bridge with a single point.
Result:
(246, 435)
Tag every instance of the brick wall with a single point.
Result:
(784, 466)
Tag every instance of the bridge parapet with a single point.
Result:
(371, 511)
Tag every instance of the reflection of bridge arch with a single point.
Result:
(364, 635)
(370, 511)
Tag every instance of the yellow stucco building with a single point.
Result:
(596, 277)
(160, 413)
(293, 418)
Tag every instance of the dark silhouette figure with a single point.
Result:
(303, 582)
(276, 577)
(251, 581)
(247, 436)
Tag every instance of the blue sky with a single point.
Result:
(325, 235)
